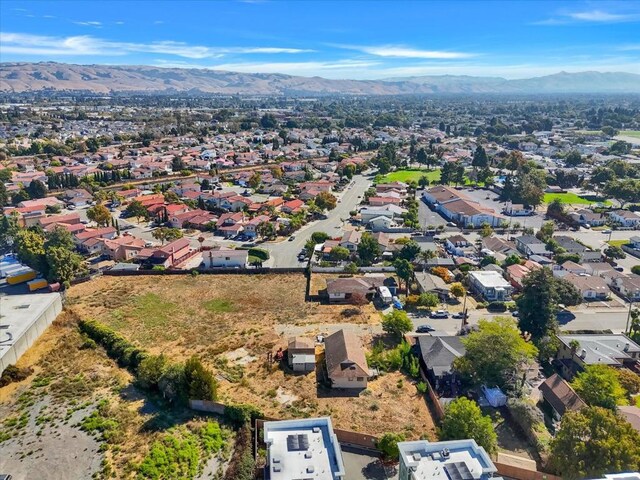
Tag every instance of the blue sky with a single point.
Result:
(333, 39)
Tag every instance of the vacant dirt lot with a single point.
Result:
(232, 322)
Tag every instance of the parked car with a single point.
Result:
(618, 269)
(515, 313)
(451, 224)
(460, 315)
(292, 238)
(439, 314)
(607, 231)
(424, 329)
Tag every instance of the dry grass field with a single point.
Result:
(232, 322)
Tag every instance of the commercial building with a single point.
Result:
(455, 459)
(302, 449)
(23, 318)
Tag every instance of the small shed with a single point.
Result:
(301, 355)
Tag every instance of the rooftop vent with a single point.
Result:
(626, 347)
(277, 468)
(583, 353)
(308, 455)
(445, 453)
(417, 456)
(310, 469)
(316, 430)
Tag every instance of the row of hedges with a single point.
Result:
(261, 253)
(177, 382)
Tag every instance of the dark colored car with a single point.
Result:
(460, 315)
(424, 329)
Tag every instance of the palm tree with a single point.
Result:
(425, 256)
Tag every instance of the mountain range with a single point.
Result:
(107, 79)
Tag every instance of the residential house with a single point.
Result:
(615, 350)
(493, 245)
(225, 258)
(570, 244)
(301, 354)
(437, 354)
(390, 211)
(345, 360)
(591, 288)
(78, 197)
(517, 210)
(82, 238)
(123, 248)
(293, 206)
(628, 286)
(302, 448)
(200, 219)
(626, 218)
(491, 285)
(230, 224)
(381, 201)
(397, 186)
(452, 459)
(429, 283)
(529, 245)
(457, 245)
(169, 255)
(381, 224)
(587, 217)
(558, 394)
(352, 289)
(350, 240)
(251, 227)
(516, 273)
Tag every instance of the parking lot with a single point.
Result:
(480, 196)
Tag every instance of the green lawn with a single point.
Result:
(617, 243)
(590, 132)
(571, 199)
(409, 175)
(630, 133)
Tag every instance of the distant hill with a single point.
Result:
(105, 79)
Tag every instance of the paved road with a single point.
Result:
(284, 253)
(596, 319)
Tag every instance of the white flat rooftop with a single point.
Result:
(490, 279)
(303, 449)
(18, 313)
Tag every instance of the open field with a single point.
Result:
(79, 398)
(629, 133)
(233, 322)
(617, 243)
(571, 198)
(409, 175)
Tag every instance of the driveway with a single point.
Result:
(284, 253)
(359, 465)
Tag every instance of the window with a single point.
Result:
(360, 379)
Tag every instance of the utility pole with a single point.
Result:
(626, 329)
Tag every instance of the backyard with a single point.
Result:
(571, 198)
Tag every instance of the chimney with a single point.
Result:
(626, 347)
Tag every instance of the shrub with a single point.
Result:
(421, 387)
(172, 382)
(388, 445)
(241, 414)
(261, 253)
(14, 374)
(200, 383)
(531, 420)
(150, 370)
(497, 307)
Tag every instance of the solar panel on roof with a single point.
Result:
(297, 442)
(458, 471)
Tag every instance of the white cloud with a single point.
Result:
(329, 69)
(398, 51)
(599, 16)
(27, 44)
(90, 24)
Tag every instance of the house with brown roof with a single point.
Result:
(345, 360)
(168, 255)
(301, 354)
(591, 288)
(352, 290)
(122, 248)
(559, 395)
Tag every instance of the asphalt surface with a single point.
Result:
(284, 253)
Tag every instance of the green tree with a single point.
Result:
(8, 230)
(166, 234)
(150, 370)
(172, 382)
(201, 384)
(255, 180)
(486, 230)
(138, 210)
(397, 323)
(404, 270)
(319, 237)
(99, 214)
(496, 354)
(339, 253)
(4, 195)
(594, 441)
(463, 419)
(428, 299)
(538, 303)
(326, 201)
(480, 159)
(388, 445)
(409, 251)
(266, 230)
(64, 265)
(457, 290)
(546, 232)
(30, 248)
(614, 252)
(37, 189)
(512, 259)
(368, 248)
(599, 386)
(573, 159)
(629, 381)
